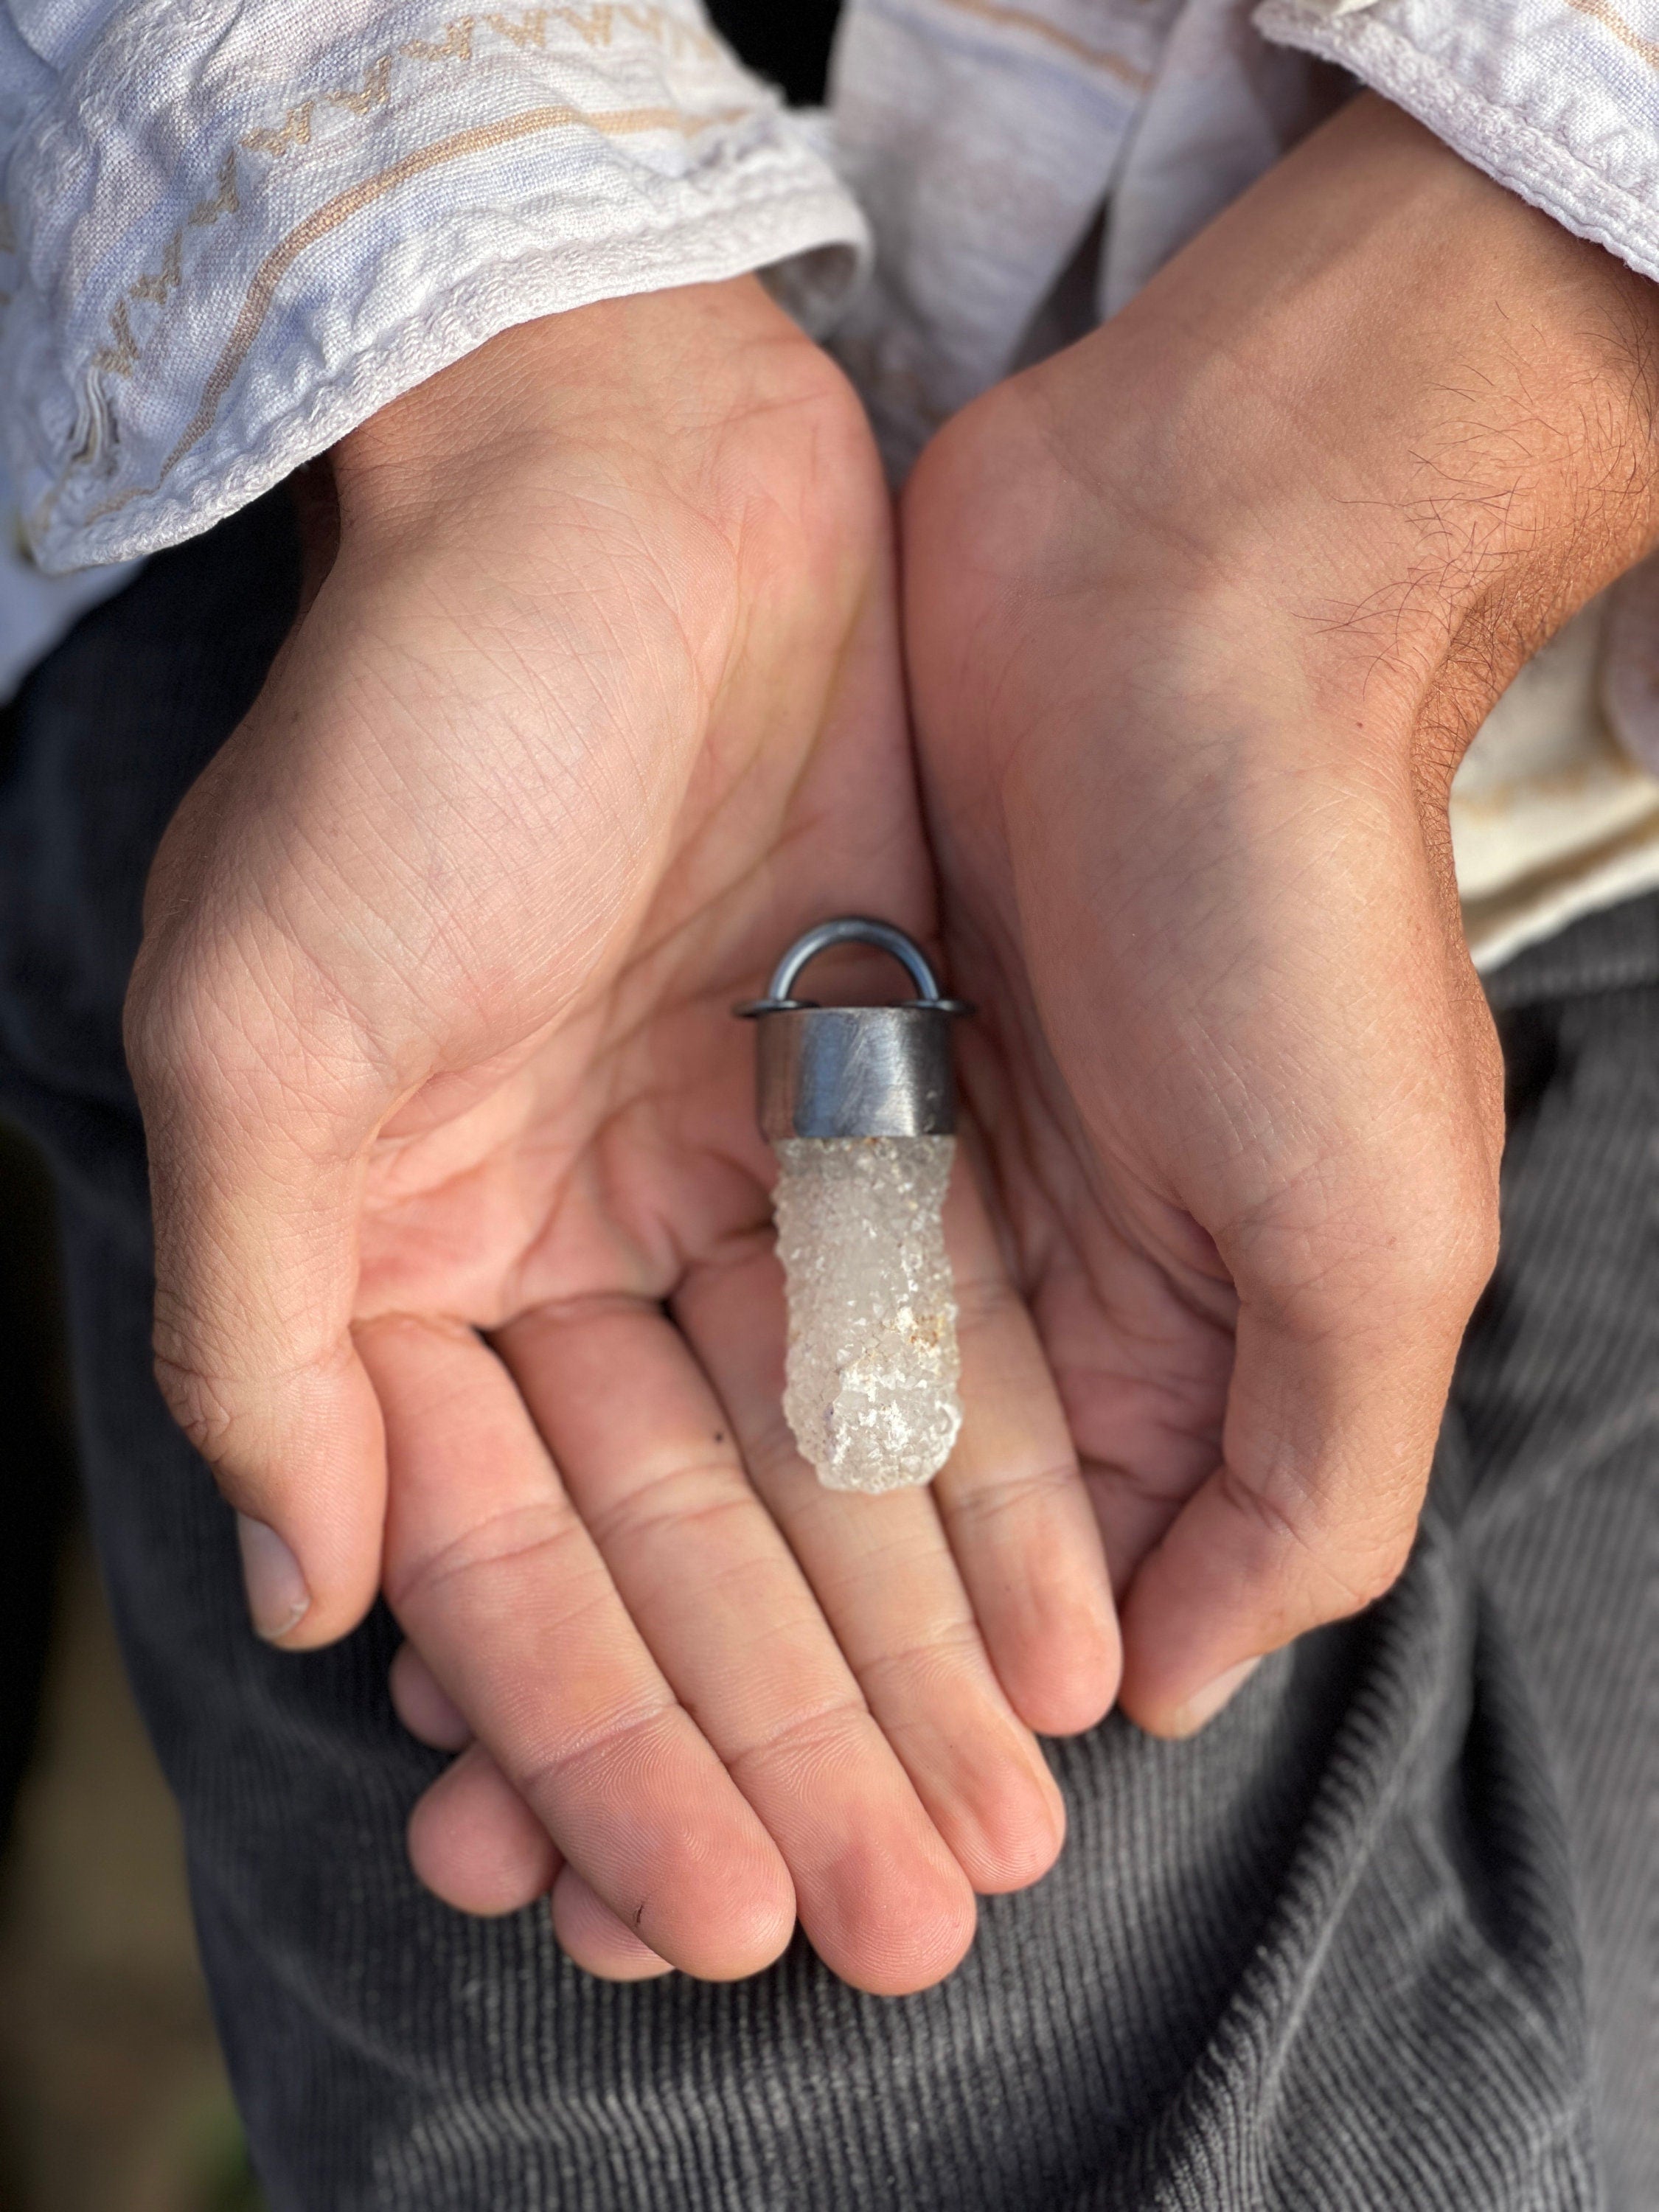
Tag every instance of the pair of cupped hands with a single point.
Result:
(1143, 717)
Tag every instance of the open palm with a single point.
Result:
(465, 1281)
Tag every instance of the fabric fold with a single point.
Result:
(233, 240)
(1556, 99)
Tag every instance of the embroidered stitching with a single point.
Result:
(157, 287)
(1022, 19)
(374, 91)
(529, 31)
(594, 24)
(262, 290)
(456, 44)
(1608, 17)
(624, 123)
(295, 130)
(207, 212)
(119, 359)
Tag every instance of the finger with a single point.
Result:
(252, 1160)
(477, 1846)
(591, 1933)
(423, 1706)
(1339, 1386)
(653, 1468)
(883, 1573)
(494, 1578)
(1018, 1516)
(475, 1843)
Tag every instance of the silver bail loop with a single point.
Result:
(834, 1072)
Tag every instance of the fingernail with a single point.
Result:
(277, 1595)
(1211, 1698)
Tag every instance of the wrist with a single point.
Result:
(1382, 411)
(660, 388)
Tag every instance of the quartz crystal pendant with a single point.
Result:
(860, 1105)
(871, 1391)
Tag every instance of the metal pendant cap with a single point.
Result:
(855, 1070)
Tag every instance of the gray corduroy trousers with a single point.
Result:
(1383, 1936)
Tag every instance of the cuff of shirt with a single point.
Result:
(231, 244)
(1558, 99)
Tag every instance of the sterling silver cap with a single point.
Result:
(855, 1070)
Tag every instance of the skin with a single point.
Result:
(465, 1278)
(1202, 615)
(601, 701)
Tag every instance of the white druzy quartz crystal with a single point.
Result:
(873, 1369)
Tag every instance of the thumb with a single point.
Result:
(256, 1128)
(1339, 1380)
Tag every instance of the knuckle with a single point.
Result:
(631, 1737)
(240, 1396)
(220, 1021)
(1359, 1566)
(1442, 1237)
(949, 1657)
(1025, 1494)
(200, 1406)
(185, 1028)
(1381, 1564)
(192, 962)
(543, 1534)
(1417, 1236)
(151, 1021)
(819, 1741)
(1341, 1561)
(683, 1504)
(984, 1298)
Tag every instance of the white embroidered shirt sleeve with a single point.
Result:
(1557, 98)
(237, 227)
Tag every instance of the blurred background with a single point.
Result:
(112, 2097)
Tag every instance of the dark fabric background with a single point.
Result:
(785, 40)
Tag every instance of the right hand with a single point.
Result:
(464, 1282)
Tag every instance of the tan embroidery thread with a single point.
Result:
(224, 200)
(594, 24)
(295, 130)
(157, 287)
(119, 358)
(374, 91)
(1602, 12)
(622, 124)
(455, 45)
(1022, 19)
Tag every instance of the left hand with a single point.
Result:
(1199, 617)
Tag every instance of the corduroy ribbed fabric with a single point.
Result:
(1329, 1954)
